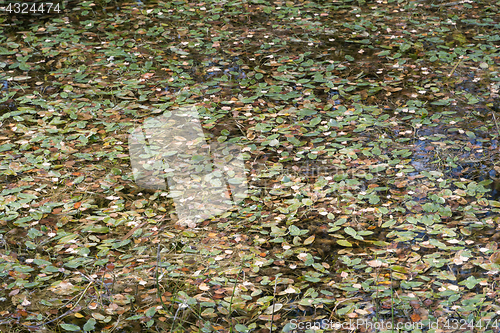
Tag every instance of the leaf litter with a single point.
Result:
(371, 145)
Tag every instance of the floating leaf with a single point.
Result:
(70, 327)
(309, 240)
(89, 325)
(344, 242)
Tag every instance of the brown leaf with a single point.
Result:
(495, 258)
(415, 317)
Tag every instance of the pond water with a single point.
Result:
(367, 128)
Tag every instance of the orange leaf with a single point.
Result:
(415, 317)
(77, 204)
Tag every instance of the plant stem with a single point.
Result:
(453, 70)
(495, 120)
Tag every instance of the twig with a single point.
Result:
(77, 308)
(158, 264)
(182, 305)
(158, 293)
(116, 324)
(342, 301)
(495, 119)
(231, 302)
(453, 70)
(450, 4)
(392, 300)
(133, 230)
(274, 298)
(61, 316)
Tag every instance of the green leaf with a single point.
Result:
(389, 223)
(70, 327)
(241, 328)
(315, 121)
(30, 245)
(343, 242)
(151, 311)
(373, 199)
(67, 238)
(470, 282)
(263, 127)
(441, 102)
(404, 47)
(306, 112)
(294, 231)
(350, 231)
(89, 325)
(138, 316)
(189, 234)
(307, 202)
(98, 229)
(6, 147)
(75, 263)
(384, 53)
(344, 310)
(470, 134)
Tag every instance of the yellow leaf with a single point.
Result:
(309, 240)
(343, 242)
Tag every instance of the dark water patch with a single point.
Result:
(220, 69)
(494, 193)
(455, 151)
